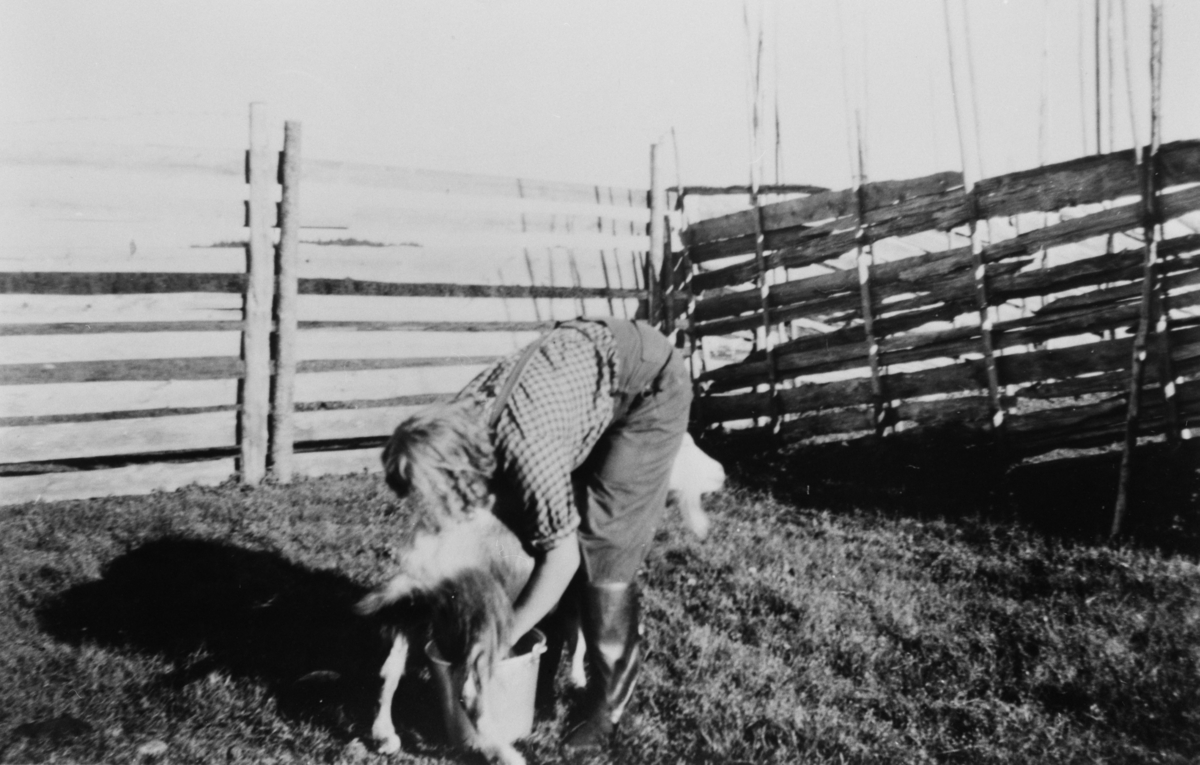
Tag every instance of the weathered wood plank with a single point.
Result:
(443, 182)
(824, 243)
(415, 401)
(764, 189)
(341, 462)
(395, 289)
(416, 222)
(329, 344)
(939, 276)
(83, 398)
(350, 423)
(818, 207)
(122, 481)
(1015, 369)
(119, 327)
(117, 259)
(211, 368)
(444, 264)
(427, 326)
(141, 309)
(31, 283)
(61, 348)
(161, 160)
(57, 419)
(34, 443)
(945, 288)
(1076, 182)
(382, 384)
(309, 366)
(341, 308)
(116, 237)
(1115, 294)
(827, 423)
(1086, 180)
(912, 272)
(921, 214)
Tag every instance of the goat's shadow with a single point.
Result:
(208, 606)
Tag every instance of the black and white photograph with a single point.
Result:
(640, 381)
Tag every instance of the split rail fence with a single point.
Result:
(872, 300)
(169, 316)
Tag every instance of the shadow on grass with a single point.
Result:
(209, 607)
(954, 479)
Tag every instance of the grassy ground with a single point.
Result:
(212, 625)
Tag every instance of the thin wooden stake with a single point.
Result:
(256, 339)
(979, 270)
(654, 256)
(985, 321)
(507, 308)
(668, 279)
(864, 260)
(550, 263)
(1137, 365)
(576, 279)
(607, 283)
(620, 282)
(282, 421)
(537, 312)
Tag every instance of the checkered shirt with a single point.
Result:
(558, 409)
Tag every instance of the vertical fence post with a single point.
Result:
(654, 256)
(282, 419)
(256, 338)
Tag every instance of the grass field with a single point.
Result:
(212, 625)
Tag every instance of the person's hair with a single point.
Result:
(443, 457)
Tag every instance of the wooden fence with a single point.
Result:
(873, 302)
(157, 328)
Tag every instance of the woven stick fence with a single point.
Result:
(1062, 342)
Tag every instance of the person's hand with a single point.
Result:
(552, 572)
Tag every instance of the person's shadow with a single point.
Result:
(207, 606)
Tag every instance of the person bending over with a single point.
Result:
(575, 437)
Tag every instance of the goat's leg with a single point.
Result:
(578, 651)
(504, 754)
(383, 730)
(492, 746)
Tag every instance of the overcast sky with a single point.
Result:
(577, 91)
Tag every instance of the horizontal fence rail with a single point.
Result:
(124, 308)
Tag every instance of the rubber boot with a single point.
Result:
(610, 628)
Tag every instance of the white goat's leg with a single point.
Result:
(578, 651)
(383, 730)
(492, 746)
(505, 754)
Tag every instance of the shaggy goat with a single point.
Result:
(468, 572)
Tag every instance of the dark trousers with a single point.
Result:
(621, 488)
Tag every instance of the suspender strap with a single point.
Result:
(511, 381)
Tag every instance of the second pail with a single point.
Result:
(509, 696)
